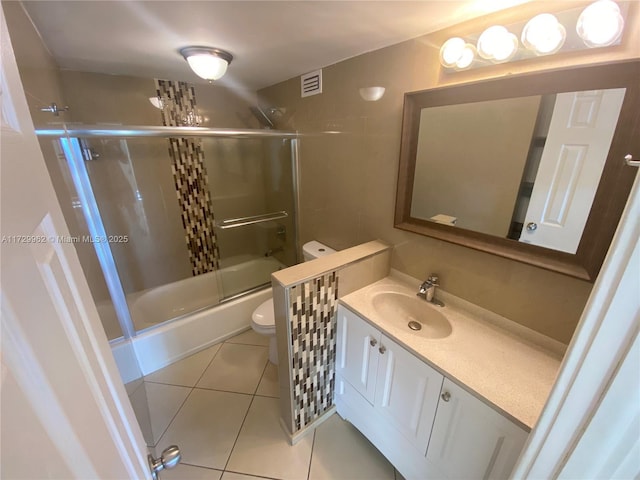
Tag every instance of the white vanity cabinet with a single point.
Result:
(392, 397)
(465, 428)
(403, 389)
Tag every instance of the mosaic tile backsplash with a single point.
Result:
(190, 177)
(312, 316)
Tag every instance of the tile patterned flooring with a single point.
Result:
(221, 407)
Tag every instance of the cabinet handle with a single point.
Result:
(446, 396)
(373, 342)
(382, 349)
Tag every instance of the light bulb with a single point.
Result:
(600, 24)
(456, 53)
(498, 44)
(451, 51)
(467, 57)
(543, 34)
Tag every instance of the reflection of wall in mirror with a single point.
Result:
(470, 160)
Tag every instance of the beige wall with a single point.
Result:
(41, 81)
(348, 180)
(460, 162)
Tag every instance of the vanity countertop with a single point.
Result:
(501, 362)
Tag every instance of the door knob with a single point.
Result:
(446, 396)
(169, 459)
(532, 226)
(373, 342)
(382, 349)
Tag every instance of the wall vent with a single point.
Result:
(311, 83)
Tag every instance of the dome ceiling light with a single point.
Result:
(207, 62)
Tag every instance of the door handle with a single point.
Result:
(532, 226)
(628, 159)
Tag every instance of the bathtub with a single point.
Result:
(160, 342)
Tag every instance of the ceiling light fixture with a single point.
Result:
(207, 62)
(544, 34)
(600, 24)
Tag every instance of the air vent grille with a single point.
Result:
(311, 83)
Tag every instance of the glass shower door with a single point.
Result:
(252, 186)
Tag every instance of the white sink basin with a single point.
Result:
(400, 309)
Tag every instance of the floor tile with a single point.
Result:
(185, 372)
(235, 368)
(239, 476)
(140, 405)
(189, 472)
(163, 401)
(342, 452)
(269, 386)
(250, 337)
(262, 447)
(206, 427)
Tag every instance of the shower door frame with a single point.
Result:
(70, 143)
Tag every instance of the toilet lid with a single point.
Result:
(263, 315)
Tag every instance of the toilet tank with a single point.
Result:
(314, 249)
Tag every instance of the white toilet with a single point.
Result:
(263, 317)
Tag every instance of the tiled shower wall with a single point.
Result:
(190, 177)
(305, 302)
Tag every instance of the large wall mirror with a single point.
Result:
(529, 167)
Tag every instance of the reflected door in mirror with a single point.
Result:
(575, 152)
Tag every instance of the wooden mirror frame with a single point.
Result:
(613, 189)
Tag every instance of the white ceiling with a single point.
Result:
(270, 41)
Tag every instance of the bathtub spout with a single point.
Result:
(271, 252)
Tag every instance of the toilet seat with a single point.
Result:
(263, 318)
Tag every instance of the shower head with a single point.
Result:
(262, 117)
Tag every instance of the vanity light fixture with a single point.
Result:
(600, 24)
(497, 44)
(207, 62)
(544, 34)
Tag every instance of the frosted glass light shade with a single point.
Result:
(600, 24)
(372, 94)
(498, 44)
(207, 63)
(543, 34)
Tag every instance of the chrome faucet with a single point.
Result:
(428, 289)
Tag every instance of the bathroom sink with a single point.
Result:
(411, 313)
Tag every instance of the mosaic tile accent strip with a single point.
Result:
(190, 178)
(178, 100)
(312, 317)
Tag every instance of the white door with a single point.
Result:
(580, 133)
(358, 344)
(471, 440)
(407, 392)
(65, 412)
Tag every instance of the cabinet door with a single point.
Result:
(470, 439)
(407, 392)
(357, 355)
